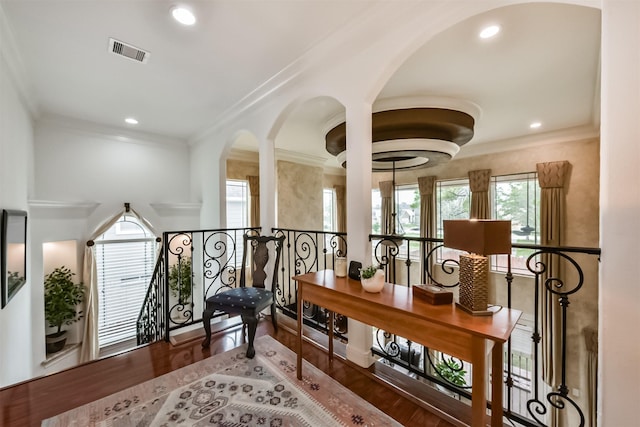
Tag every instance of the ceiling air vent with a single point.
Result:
(128, 51)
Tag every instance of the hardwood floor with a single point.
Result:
(28, 403)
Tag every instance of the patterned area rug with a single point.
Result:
(232, 391)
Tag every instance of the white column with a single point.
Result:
(268, 191)
(208, 182)
(619, 290)
(359, 215)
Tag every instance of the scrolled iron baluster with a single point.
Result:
(217, 260)
(340, 324)
(555, 286)
(448, 267)
(305, 255)
(538, 409)
(335, 242)
(179, 314)
(390, 349)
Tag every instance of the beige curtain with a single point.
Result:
(386, 193)
(254, 190)
(427, 206)
(90, 346)
(479, 186)
(591, 342)
(551, 178)
(341, 216)
(386, 223)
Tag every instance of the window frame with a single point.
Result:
(453, 254)
(244, 223)
(329, 192)
(498, 263)
(110, 332)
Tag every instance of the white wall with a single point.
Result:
(619, 342)
(16, 145)
(83, 175)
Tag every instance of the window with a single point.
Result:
(376, 212)
(329, 209)
(453, 200)
(237, 204)
(517, 198)
(125, 259)
(329, 217)
(408, 219)
(237, 214)
(407, 211)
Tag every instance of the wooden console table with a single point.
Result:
(441, 327)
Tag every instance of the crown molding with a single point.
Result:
(529, 141)
(306, 159)
(15, 65)
(46, 209)
(331, 44)
(244, 155)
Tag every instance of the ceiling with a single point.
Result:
(543, 65)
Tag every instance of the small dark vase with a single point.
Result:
(56, 341)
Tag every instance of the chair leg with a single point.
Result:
(206, 321)
(273, 317)
(252, 325)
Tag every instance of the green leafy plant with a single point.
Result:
(368, 272)
(452, 372)
(180, 279)
(61, 298)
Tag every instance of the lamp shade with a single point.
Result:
(478, 236)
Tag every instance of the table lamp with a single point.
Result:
(479, 237)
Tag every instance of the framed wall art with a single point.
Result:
(13, 256)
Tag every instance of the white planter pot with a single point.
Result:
(373, 284)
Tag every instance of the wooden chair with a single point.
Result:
(248, 301)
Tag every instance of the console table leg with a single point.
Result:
(479, 383)
(299, 343)
(496, 385)
(330, 314)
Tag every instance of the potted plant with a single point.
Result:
(180, 280)
(452, 372)
(372, 278)
(61, 299)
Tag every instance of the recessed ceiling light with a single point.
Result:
(535, 125)
(489, 31)
(183, 15)
(131, 121)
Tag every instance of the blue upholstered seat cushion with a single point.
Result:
(244, 298)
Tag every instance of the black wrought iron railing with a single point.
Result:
(550, 279)
(307, 251)
(193, 265)
(198, 263)
(151, 320)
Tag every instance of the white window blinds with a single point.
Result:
(237, 214)
(125, 258)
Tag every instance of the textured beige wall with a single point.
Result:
(329, 181)
(299, 190)
(239, 169)
(582, 192)
(299, 196)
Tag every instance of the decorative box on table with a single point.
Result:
(432, 294)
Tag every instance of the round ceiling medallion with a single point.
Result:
(409, 138)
